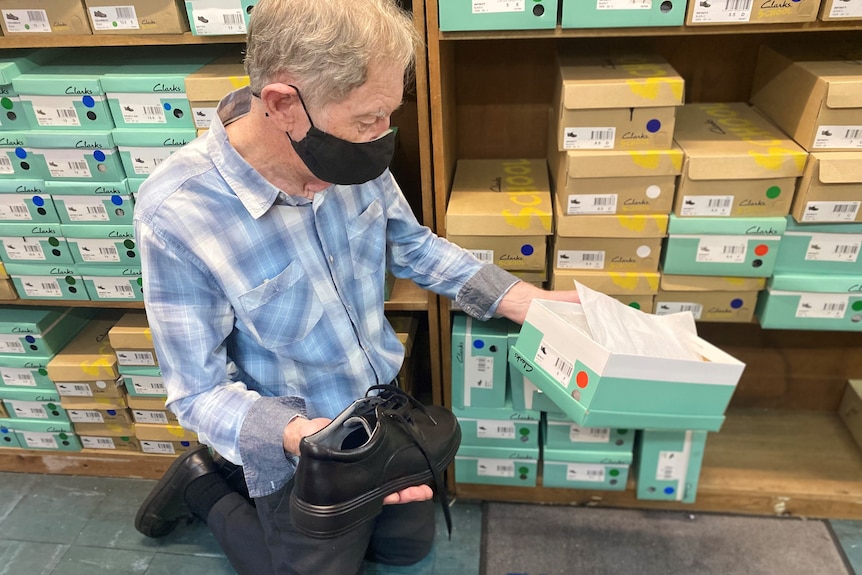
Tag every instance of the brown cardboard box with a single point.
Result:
(814, 96)
(708, 298)
(737, 163)
(623, 102)
(172, 448)
(707, 13)
(615, 181)
(840, 10)
(850, 409)
(161, 417)
(126, 442)
(133, 341)
(618, 226)
(3, 274)
(7, 290)
(159, 432)
(137, 16)
(210, 84)
(88, 357)
(512, 253)
(95, 403)
(830, 190)
(607, 254)
(147, 402)
(90, 389)
(405, 327)
(610, 283)
(99, 416)
(43, 16)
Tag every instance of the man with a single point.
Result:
(264, 246)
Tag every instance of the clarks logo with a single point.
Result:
(459, 354)
(4, 141)
(131, 272)
(634, 202)
(104, 190)
(511, 258)
(174, 142)
(18, 329)
(162, 87)
(520, 360)
(41, 230)
(85, 145)
(772, 4)
(752, 203)
(622, 260)
(74, 90)
(759, 231)
(62, 271)
(28, 190)
(635, 136)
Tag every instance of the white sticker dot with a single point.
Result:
(101, 384)
(652, 192)
(644, 251)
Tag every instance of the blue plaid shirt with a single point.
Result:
(264, 306)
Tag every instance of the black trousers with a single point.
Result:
(262, 541)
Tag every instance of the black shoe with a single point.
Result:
(233, 475)
(165, 506)
(379, 445)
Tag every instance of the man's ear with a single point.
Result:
(281, 103)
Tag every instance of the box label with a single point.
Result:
(10, 343)
(6, 166)
(162, 447)
(721, 249)
(838, 137)
(846, 9)
(578, 434)
(84, 209)
(145, 160)
(98, 251)
(41, 286)
(830, 211)
(85, 416)
(585, 472)
(822, 306)
(145, 416)
(144, 358)
(706, 205)
(497, 6)
(39, 440)
(585, 204)
(833, 248)
(114, 18)
(12, 207)
(554, 363)
(218, 18)
(624, 5)
(26, 20)
(495, 467)
(490, 429)
(67, 163)
(23, 249)
(27, 409)
(721, 11)
(580, 260)
(589, 138)
(141, 108)
(203, 117)
(484, 256)
(672, 466)
(669, 307)
(149, 385)
(97, 442)
(113, 288)
(74, 389)
(56, 111)
(16, 377)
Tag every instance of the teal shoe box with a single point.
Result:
(143, 149)
(40, 434)
(622, 13)
(572, 469)
(102, 244)
(461, 15)
(33, 404)
(668, 464)
(562, 433)
(523, 393)
(143, 381)
(497, 465)
(15, 157)
(736, 247)
(498, 426)
(34, 243)
(25, 372)
(112, 282)
(47, 282)
(596, 387)
(820, 248)
(811, 301)
(12, 115)
(39, 332)
(92, 202)
(75, 156)
(478, 362)
(26, 201)
(219, 18)
(8, 438)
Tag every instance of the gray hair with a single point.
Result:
(327, 45)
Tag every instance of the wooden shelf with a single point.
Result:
(93, 40)
(777, 462)
(651, 31)
(89, 462)
(74, 303)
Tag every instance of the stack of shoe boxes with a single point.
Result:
(729, 213)
(205, 87)
(614, 167)
(816, 97)
(155, 428)
(30, 338)
(579, 457)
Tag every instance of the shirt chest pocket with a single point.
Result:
(367, 237)
(282, 310)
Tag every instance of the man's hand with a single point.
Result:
(299, 428)
(516, 301)
(409, 495)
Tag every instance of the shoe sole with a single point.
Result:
(147, 521)
(327, 521)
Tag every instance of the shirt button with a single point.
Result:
(331, 259)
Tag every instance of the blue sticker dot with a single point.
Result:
(527, 250)
(117, 200)
(669, 490)
(30, 339)
(737, 303)
(21, 153)
(653, 126)
(185, 443)
(38, 201)
(112, 412)
(167, 106)
(88, 101)
(478, 344)
(4, 430)
(99, 155)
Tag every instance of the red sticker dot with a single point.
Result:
(582, 379)
(761, 250)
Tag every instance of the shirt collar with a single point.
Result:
(255, 192)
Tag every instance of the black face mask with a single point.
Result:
(338, 161)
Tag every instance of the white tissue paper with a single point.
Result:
(625, 330)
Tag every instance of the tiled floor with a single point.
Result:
(61, 525)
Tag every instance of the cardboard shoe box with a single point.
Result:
(141, 150)
(817, 302)
(15, 157)
(621, 13)
(23, 200)
(607, 226)
(133, 341)
(840, 10)
(76, 156)
(814, 96)
(708, 298)
(39, 332)
(34, 404)
(43, 435)
(12, 66)
(596, 387)
(607, 254)
(616, 103)
(669, 464)
(43, 16)
(24, 372)
(830, 189)
(498, 426)
(144, 382)
(479, 350)
(47, 281)
(89, 356)
(219, 17)
(137, 16)
(820, 248)
(92, 202)
(612, 445)
(710, 12)
(516, 467)
(634, 289)
(456, 15)
(850, 409)
(737, 163)
(208, 85)
(34, 243)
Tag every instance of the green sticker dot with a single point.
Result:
(140, 282)
(129, 244)
(773, 192)
(856, 305)
(63, 436)
(71, 281)
(26, 26)
(524, 431)
(125, 438)
(43, 371)
(114, 24)
(51, 406)
(614, 472)
(523, 470)
(7, 103)
(635, 305)
(622, 431)
(54, 242)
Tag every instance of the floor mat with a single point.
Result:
(521, 539)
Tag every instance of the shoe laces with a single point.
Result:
(392, 404)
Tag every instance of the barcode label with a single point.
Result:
(6, 166)
(13, 208)
(580, 260)
(585, 472)
(96, 250)
(41, 286)
(578, 434)
(82, 209)
(26, 249)
(672, 466)
(218, 17)
(85, 416)
(91, 442)
(114, 18)
(57, 111)
(148, 385)
(36, 440)
(554, 363)
(203, 117)
(497, 6)
(706, 205)
(146, 416)
(486, 467)
(10, 343)
(589, 138)
(145, 160)
(493, 429)
(846, 9)
(26, 21)
(141, 108)
(669, 307)
(126, 357)
(822, 306)
(623, 4)
(721, 249)
(73, 389)
(484, 256)
(831, 211)
(585, 204)
(68, 163)
(834, 248)
(162, 447)
(16, 377)
(27, 409)
(846, 137)
(704, 11)
(112, 288)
